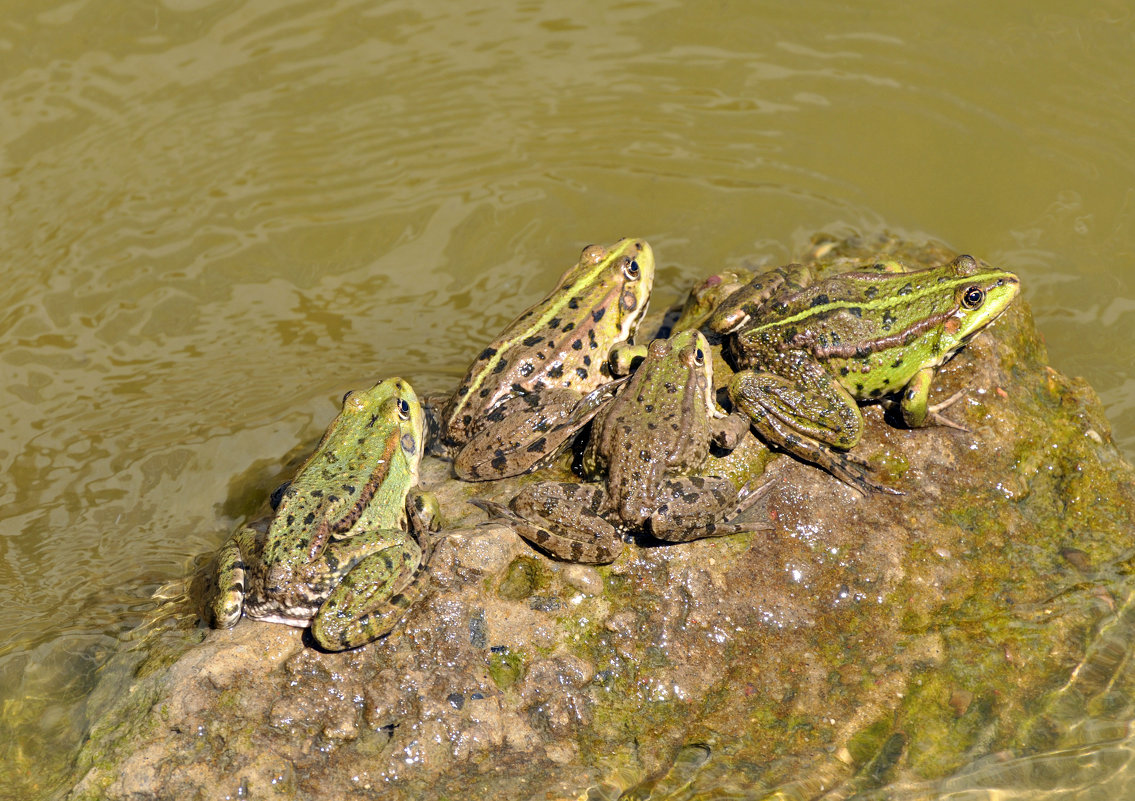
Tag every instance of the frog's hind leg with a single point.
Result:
(808, 414)
(521, 434)
(696, 507)
(231, 574)
(372, 597)
(561, 520)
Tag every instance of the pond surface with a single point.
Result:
(216, 218)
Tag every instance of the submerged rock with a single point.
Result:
(863, 641)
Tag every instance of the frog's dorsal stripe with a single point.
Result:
(374, 481)
(907, 295)
(539, 317)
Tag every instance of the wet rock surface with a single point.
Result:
(862, 639)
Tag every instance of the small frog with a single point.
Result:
(652, 442)
(807, 351)
(545, 376)
(347, 547)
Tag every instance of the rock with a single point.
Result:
(864, 640)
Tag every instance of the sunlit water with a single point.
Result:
(218, 217)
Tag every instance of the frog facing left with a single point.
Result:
(652, 442)
(347, 547)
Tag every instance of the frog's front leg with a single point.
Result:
(562, 520)
(519, 435)
(915, 404)
(373, 595)
(231, 572)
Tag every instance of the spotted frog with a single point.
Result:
(807, 351)
(547, 373)
(652, 442)
(347, 546)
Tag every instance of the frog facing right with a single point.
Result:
(808, 351)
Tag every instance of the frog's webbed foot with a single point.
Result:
(587, 538)
(854, 472)
(749, 495)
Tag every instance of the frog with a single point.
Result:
(807, 351)
(652, 443)
(550, 370)
(351, 535)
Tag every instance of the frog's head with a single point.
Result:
(613, 283)
(390, 406)
(981, 294)
(691, 356)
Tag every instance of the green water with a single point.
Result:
(215, 218)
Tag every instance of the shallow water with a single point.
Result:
(218, 217)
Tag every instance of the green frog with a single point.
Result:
(807, 351)
(548, 372)
(653, 444)
(347, 546)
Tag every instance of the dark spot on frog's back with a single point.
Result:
(906, 289)
(581, 372)
(502, 365)
(525, 369)
(819, 300)
(855, 311)
(597, 315)
(535, 339)
(556, 371)
(488, 353)
(871, 292)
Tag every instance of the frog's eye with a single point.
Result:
(699, 357)
(973, 297)
(630, 269)
(403, 409)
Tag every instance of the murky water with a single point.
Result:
(218, 217)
